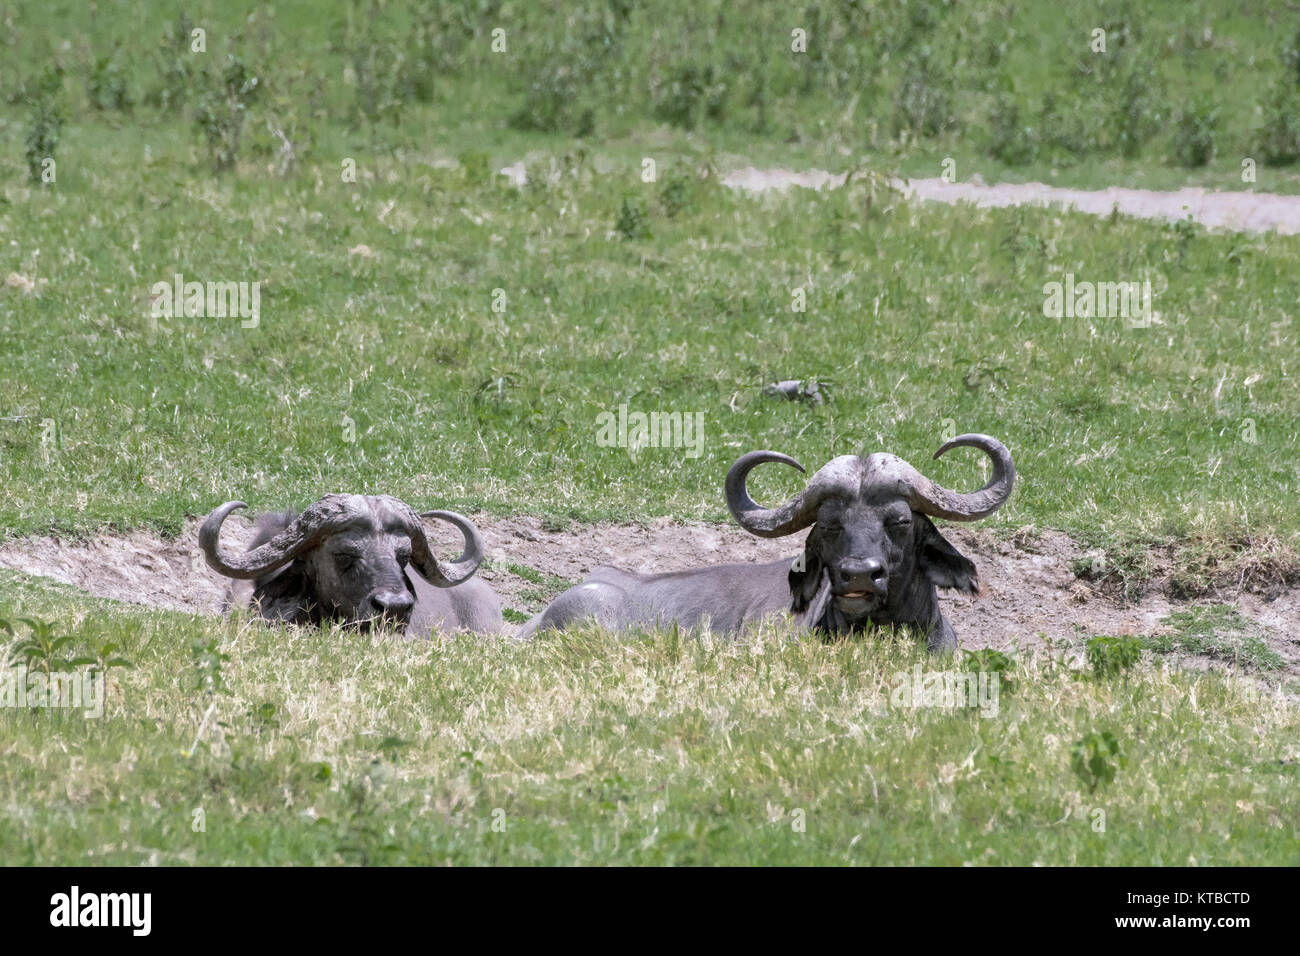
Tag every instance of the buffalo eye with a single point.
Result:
(898, 523)
(403, 555)
(344, 560)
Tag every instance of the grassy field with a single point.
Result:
(322, 747)
(927, 321)
(429, 331)
(1184, 90)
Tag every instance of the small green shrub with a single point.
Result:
(476, 166)
(691, 93)
(223, 110)
(107, 87)
(208, 660)
(554, 102)
(1061, 132)
(987, 660)
(1111, 656)
(631, 222)
(178, 66)
(569, 77)
(1193, 143)
(675, 191)
(1095, 758)
(46, 123)
(1280, 137)
(42, 137)
(1012, 142)
(1290, 56)
(1140, 108)
(923, 102)
(42, 649)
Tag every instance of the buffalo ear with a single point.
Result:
(287, 595)
(805, 578)
(944, 565)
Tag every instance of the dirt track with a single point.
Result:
(1238, 211)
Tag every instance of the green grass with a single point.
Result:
(928, 319)
(1217, 631)
(328, 748)
(535, 598)
(907, 83)
(1173, 445)
(548, 582)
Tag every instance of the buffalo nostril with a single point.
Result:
(863, 575)
(866, 575)
(392, 605)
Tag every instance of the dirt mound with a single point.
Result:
(139, 567)
(1029, 589)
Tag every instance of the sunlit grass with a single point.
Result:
(927, 319)
(378, 324)
(584, 748)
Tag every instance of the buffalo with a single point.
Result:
(872, 557)
(349, 558)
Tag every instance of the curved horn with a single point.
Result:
(934, 500)
(210, 540)
(303, 533)
(794, 515)
(442, 574)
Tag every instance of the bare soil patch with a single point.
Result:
(1238, 211)
(1235, 211)
(1030, 593)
